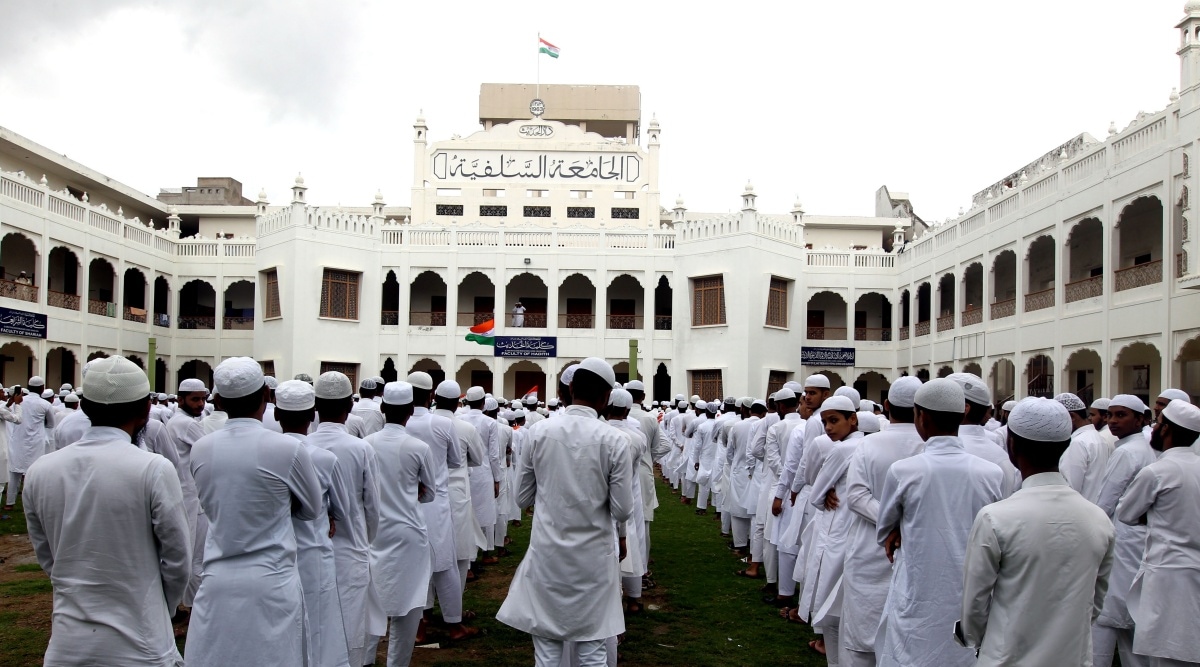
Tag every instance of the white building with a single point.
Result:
(1077, 272)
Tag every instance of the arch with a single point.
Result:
(1039, 273)
(427, 300)
(521, 377)
(1139, 371)
(621, 369)
(1003, 380)
(162, 302)
(923, 374)
(62, 279)
(924, 308)
(102, 288)
(133, 295)
(97, 354)
(530, 290)
(1082, 374)
(835, 380)
(826, 316)
(60, 367)
(1084, 260)
(662, 384)
(1138, 244)
(974, 369)
(16, 364)
(972, 294)
(160, 376)
(663, 304)
(625, 297)
(946, 288)
(1039, 376)
(945, 371)
(197, 305)
(137, 361)
(388, 372)
(198, 369)
(1004, 285)
(576, 302)
(389, 309)
(19, 263)
(432, 367)
(905, 313)
(1189, 367)
(872, 317)
(239, 306)
(873, 386)
(474, 373)
(476, 299)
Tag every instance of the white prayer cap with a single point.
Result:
(191, 384)
(1040, 420)
(378, 380)
(868, 422)
(70, 398)
(941, 395)
(304, 377)
(237, 377)
(747, 402)
(295, 395)
(490, 404)
(1071, 402)
(519, 413)
(759, 401)
(866, 405)
(1128, 401)
(355, 396)
(819, 381)
(528, 400)
(49, 393)
(619, 398)
(475, 394)
(700, 404)
(694, 398)
(88, 365)
(839, 403)
(678, 397)
(729, 400)
(397, 393)
(786, 394)
(66, 387)
(172, 396)
(37, 381)
(635, 385)
(1008, 406)
(1184, 414)
(116, 380)
(272, 383)
(368, 384)
(1175, 395)
(1101, 404)
(568, 374)
(974, 389)
(448, 389)
(161, 397)
(508, 415)
(771, 396)
(333, 385)
(681, 404)
(714, 406)
(795, 386)
(421, 380)
(850, 393)
(554, 403)
(600, 367)
(903, 391)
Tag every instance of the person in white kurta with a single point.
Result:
(468, 533)
(1165, 597)
(184, 429)
(485, 479)
(976, 439)
(1037, 563)
(250, 606)
(577, 473)
(27, 440)
(928, 504)
(633, 566)
(704, 448)
(1084, 462)
(10, 415)
(741, 470)
(106, 521)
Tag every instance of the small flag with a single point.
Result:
(547, 48)
(482, 333)
(531, 394)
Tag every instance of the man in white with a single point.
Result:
(1084, 462)
(485, 479)
(184, 430)
(353, 536)
(703, 454)
(741, 469)
(468, 534)
(928, 504)
(531, 403)
(1098, 416)
(1037, 563)
(400, 557)
(367, 409)
(106, 521)
(518, 315)
(576, 471)
(1114, 629)
(790, 436)
(633, 566)
(1165, 597)
(250, 607)
(295, 405)
(659, 447)
(975, 438)
(27, 440)
(10, 416)
(269, 421)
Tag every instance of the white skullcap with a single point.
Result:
(729, 400)
(850, 393)
(620, 398)
(397, 393)
(839, 403)
(819, 381)
(1184, 414)
(161, 397)
(974, 389)
(333, 385)
(903, 392)
(694, 398)
(448, 389)
(868, 422)
(568, 374)
(759, 401)
(700, 404)
(747, 401)
(941, 395)
(713, 406)
(1071, 402)
(1101, 404)
(84, 372)
(600, 367)
(378, 380)
(37, 381)
(272, 383)
(475, 394)
(786, 394)
(66, 387)
(1008, 406)
(48, 394)
(682, 404)
(1175, 395)
(771, 396)
(368, 384)
(519, 413)
(554, 403)
(421, 380)
(355, 396)
(530, 399)
(635, 385)
(172, 396)
(490, 404)
(295, 395)
(237, 377)
(191, 384)
(678, 397)
(116, 380)
(70, 398)
(795, 386)
(1040, 420)
(1128, 401)
(508, 415)
(866, 405)
(303, 377)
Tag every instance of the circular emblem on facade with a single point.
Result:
(537, 107)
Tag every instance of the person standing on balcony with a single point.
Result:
(23, 279)
(518, 315)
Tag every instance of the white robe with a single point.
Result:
(932, 498)
(484, 477)
(9, 417)
(70, 429)
(659, 447)
(27, 440)
(446, 454)
(106, 521)
(1131, 455)
(704, 451)
(825, 563)
(976, 440)
(634, 563)
(468, 533)
(577, 472)
(741, 467)
(185, 430)
(1085, 460)
(506, 507)
(371, 414)
(250, 607)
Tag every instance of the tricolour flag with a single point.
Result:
(483, 333)
(547, 48)
(531, 394)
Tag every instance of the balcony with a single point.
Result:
(162, 320)
(624, 322)
(430, 319)
(1087, 288)
(472, 319)
(62, 300)
(923, 328)
(532, 321)
(572, 321)
(972, 316)
(873, 334)
(238, 324)
(134, 314)
(105, 308)
(19, 291)
(1138, 276)
(197, 322)
(827, 333)
(389, 318)
(1003, 309)
(903, 333)
(945, 322)
(662, 322)
(1039, 300)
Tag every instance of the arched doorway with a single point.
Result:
(872, 317)
(1085, 261)
(972, 297)
(944, 372)
(621, 370)
(1004, 285)
(239, 306)
(1039, 377)
(1003, 381)
(530, 291)
(946, 302)
(475, 373)
(835, 380)
(974, 369)
(102, 288)
(134, 296)
(427, 300)
(432, 367)
(1138, 246)
(1139, 371)
(1083, 374)
(476, 300)
(160, 376)
(1039, 268)
(924, 308)
(662, 305)
(872, 386)
(1189, 367)
(195, 368)
(16, 364)
(826, 316)
(389, 309)
(63, 279)
(162, 302)
(522, 377)
(576, 303)
(60, 367)
(197, 306)
(18, 268)
(625, 297)
(662, 384)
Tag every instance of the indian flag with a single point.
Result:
(547, 48)
(531, 395)
(483, 333)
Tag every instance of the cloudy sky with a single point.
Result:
(822, 100)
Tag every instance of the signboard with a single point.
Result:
(22, 323)
(479, 165)
(827, 356)
(526, 347)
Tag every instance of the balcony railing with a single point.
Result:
(945, 322)
(105, 308)
(827, 333)
(162, 320)
(197, 322)
(872, 333)
(1087, 288)
(1139, 275)
(662, 322)
(923, 328)
(471, 319)
(389, 318)
(1039, 300)
(972, 316)
(1003, 309)
(531, 321)
(134, 314)
(903, 333)
(624, 322)
(20, 291)
(573, 321)
(423, 319)
(1180, 265)
(238, 323)
(62, 300)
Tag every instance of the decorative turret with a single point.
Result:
(1189, 55)
(653, 130)
(377, 206)
(298, 190)
(173, 221)
(798, 212)
(748, 198)
(262, 201)
(680, 211)
(898, 237)
(420, 129)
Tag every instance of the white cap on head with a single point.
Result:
(941, 395)
(568, 374)
(785, 394)
(368, 384)
(49, 393)
(161, 397)
(868, 422)
(116, 380)
(37, 381)
(237, 377)
(530, 399)
(1008, 406)
(379, 381)
(903, 392)
(1175, 395)
(713, 406)
(333, 385)
(620, 398)
(295, 395)
(448, 389)
(272, 383)
(678, 397)
(421, 380)
(795, 386)
(838, 403)
(866, 405)
(681, 404)
(747, 402)
(475, 394)
(694, 398)
(819, 381)
(635, 385)
(1100, 404)
(1071, 402)
(355, 396)
(70, 398)
(66, 387)
(729, 400)
(1040, 420)
(192, 384)
(1129, 402)
(397, 393)
(974, 389)
(699, 404)
(759, 401)
(519, 413)
(850, 393)
(1184, 414)
(600, 367)
(490, 404)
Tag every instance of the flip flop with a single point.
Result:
(744, 573)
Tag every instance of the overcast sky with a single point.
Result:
(822, 100)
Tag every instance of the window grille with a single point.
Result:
(339, 295)
(708, 301)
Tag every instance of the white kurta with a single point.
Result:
(977, 441)
(576, 471)
(70, 429)
(1035, 575)
(704, 449)
(741, 467)
(932, 498)
(446, 454)
(107, 523)
(185, 430)
(250, 607)
(659, 447)
(27, 441)
(10, 415)
(1164, 600)
(1084, 462)
(505, 505)
(825, 563)
(468, 534)
(634, 563)
(372, 415)
(484, 477)
(1131, 455)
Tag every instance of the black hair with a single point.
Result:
(901, 415)
(294, 419)
(242, 406)
(1082, 414)
(788, 402)
(444, 403)
(637, 394)
(1182, 437)
(1041, 455)
(564, 395)
(758, 408)
(589, 387)
(397, 414)
(421, 396)
(332, 409)
(944, 422)
(115, 415)
(476, 405)
(976, 413)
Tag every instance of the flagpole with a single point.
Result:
(538, 86)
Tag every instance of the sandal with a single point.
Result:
(789, 614)
(633, 608)
(746, 573)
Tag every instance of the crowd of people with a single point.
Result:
(302, 523)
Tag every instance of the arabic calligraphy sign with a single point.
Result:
(526, 347)
(526, 165)
(827, 356)
(536, 131)
(22, 323)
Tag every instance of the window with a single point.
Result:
(776, 380)
(581, 212)
(339, 295)
(449, 192)
(494, 193)
(537, 193)
(450, 209)
(271, 297)
(777, 303)
(493, 211)
(623, 194)
(581, 194)
(268, 368)
(626, 213)
(708, 301)
(707, 384)
(537, 211)
(349, 370)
